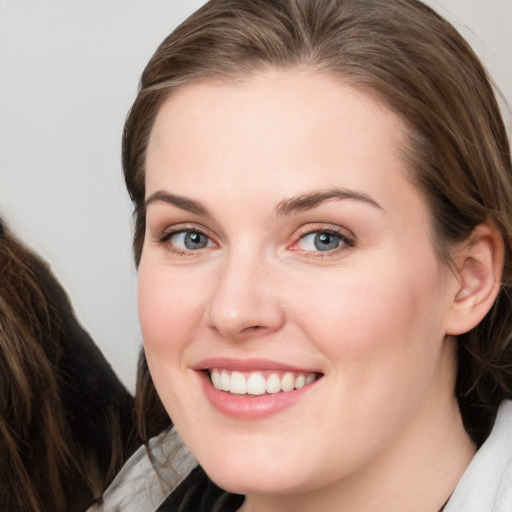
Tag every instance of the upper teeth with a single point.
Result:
(255, 383)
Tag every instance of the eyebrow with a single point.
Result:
(310, 200)
(179, 201)
(289, 206)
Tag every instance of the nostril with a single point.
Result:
(252, 328)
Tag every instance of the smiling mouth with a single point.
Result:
(260, 382)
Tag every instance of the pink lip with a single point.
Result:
(247, 407)
(249, 365)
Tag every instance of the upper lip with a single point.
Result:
(249, 365)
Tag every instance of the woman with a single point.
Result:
(66, 423)
(323, 235)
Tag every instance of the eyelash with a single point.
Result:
(166, 236)
(346, 242)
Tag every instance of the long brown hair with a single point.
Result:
(402, 51)
(49, 460)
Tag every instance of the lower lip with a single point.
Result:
(249, 407)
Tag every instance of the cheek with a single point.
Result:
(386, 317)
(169, 311)
(383, 336)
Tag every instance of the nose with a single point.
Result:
(244, 302)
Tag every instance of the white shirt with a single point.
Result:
(486, 485)
(139, 487)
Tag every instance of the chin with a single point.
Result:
(254, 480)
(261, 470)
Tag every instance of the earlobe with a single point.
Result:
(479, 263)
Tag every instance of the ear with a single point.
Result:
(478, 268)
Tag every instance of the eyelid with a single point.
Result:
(164, 236)
(347, 237)
(314, 227)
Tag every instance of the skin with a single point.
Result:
(371, 315)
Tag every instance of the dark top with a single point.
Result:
(94, 399)
(197, 493)
(98, 409)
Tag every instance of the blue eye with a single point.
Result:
(321, 241)
(189, 240)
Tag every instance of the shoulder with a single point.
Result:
(148, 477)
(486, 486)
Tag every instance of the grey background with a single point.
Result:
(68, 74)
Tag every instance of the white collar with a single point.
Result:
(486, 485)
(141, 486)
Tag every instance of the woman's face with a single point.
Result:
(286, 248)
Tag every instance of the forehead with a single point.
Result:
(293, 127)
